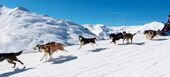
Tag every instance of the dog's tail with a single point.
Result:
(18, 53)
(134, 34)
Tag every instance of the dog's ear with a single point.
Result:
(80, 38)
(34, 48)
(95, 38)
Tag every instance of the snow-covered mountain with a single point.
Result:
(99, 30)
(103, 31)
(154, 26)
(22, 29)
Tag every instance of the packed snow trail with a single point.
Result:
(143, 58)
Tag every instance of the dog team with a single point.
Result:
(51, 47)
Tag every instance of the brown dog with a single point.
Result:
(49, 48)
(128, 36)
(10, 57)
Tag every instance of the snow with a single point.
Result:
(99, 30)
(154, 26)
(143, 58)
(103, 31)
(21, 29)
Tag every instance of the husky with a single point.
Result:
(128, 36)
(49, 48)
(150, 34)
(84, 41)
(114, 37)
(11, 57)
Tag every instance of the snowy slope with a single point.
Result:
(21, 29)
(143, 58)
(154, 26)
(129, 29)
(133, 29)
(103, 31)
(99, 30)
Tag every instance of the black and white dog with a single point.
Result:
(10, 57)
(84, 41)
(114, 37)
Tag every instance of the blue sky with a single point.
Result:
(108, 12)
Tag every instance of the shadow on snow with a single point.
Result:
(16, 70)
(160, 39)
(141, 43)
(62, 59)
(98, 49)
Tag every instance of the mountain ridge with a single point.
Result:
(23, 29)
